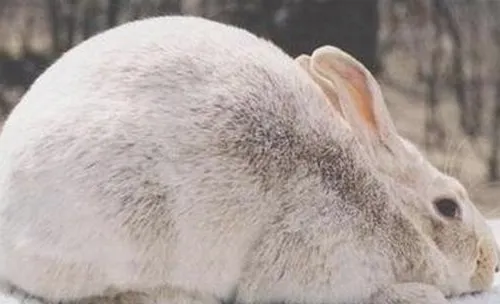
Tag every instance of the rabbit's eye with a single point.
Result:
(447, 207)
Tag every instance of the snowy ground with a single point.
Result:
(492, 297)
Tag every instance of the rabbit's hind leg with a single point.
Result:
(11, 295)
(409, 293)
(160, 296)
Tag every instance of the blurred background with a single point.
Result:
(436, 60)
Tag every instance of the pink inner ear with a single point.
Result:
(357, 84)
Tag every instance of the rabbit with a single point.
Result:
(354, 93)
(181, 160)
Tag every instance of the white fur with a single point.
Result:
(492, 297)
(75, 233)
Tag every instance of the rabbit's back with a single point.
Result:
(152, 153)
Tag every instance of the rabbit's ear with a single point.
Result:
(356, 92)
(303, 60)
(328, 89)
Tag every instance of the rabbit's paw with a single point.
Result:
(409, 293)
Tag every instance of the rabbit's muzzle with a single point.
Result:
(487, 264)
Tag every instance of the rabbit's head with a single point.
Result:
(436, 203)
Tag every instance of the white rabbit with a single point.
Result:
(176, 159)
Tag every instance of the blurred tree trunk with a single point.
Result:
(71, 19)
(5, 107)
(112, 12)
(89, 22)
(256, 16)
(54, 17)
(493, 170)
(443, 9)
(349, 24)
(434, 134)
(63, 18)
(170, 7)
(493, 174)
(476, 82)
